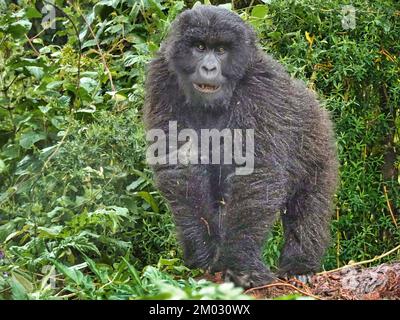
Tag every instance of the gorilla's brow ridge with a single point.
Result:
(212, 41)
(210, 37)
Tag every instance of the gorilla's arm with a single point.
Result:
(187, 189)
(252, 206)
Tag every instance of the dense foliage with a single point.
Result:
(79, 214)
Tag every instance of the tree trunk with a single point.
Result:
(382, 282)
(349, 283)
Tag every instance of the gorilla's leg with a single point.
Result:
(187, 190)
(306, 230)
(251, 210)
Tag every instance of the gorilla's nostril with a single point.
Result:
(209, 68)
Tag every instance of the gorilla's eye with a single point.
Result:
(221, 50)
(200, 46)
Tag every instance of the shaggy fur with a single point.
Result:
(222, 218)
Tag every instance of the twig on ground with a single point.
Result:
(283, 284)
(362, 262)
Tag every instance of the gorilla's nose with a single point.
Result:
(209, 71)
(209, 68)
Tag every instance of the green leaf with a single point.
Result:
(157, 7)
(54, 85)
(13, 235)
(110, 3)
(90, 109)
(32, 12)
(58, 122)
(133, 271)
(6, 229)
(18, 291)
(2, 166)
(130, 59)
(64, 101)
(102, 274)
(99, 6)
(119, 97)
(89, 43)
(50, 232)
(88, 84)
(19, 28)
(227, 6)
(135, 184)
(146, 196)
(37, 72)
(260, 11)
(29, 139)
(27, 284)
(44, 109)
(71, 273)
(198, 3)
(276, 35)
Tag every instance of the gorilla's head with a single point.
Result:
(209, 49)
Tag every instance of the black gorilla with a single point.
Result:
(209, 73)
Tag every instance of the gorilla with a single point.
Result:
(210, 74)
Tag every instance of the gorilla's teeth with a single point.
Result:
(206, 87)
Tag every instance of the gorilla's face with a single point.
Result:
(206, 83)
(209, 50)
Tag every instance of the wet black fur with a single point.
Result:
(222, 218)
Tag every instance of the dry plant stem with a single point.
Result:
(337, 240)
(207, 225)
(56, 150)
(283, 284)
(32, 46)
(99, 50)
(33, 38)
(78, 40)
(362, 262)
(389, 206)
(37, 35)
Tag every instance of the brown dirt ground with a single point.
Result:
(350, 283)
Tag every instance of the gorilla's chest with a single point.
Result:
(203, 119)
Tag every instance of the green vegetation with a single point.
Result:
(80, 217)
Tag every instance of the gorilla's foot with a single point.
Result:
(302, 278)
(305, 278)
(249, 278)
(297, 265)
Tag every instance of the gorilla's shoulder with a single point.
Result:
(158, 73)
(158, 66)
(265, 66)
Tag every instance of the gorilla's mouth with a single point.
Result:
(206, 88)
